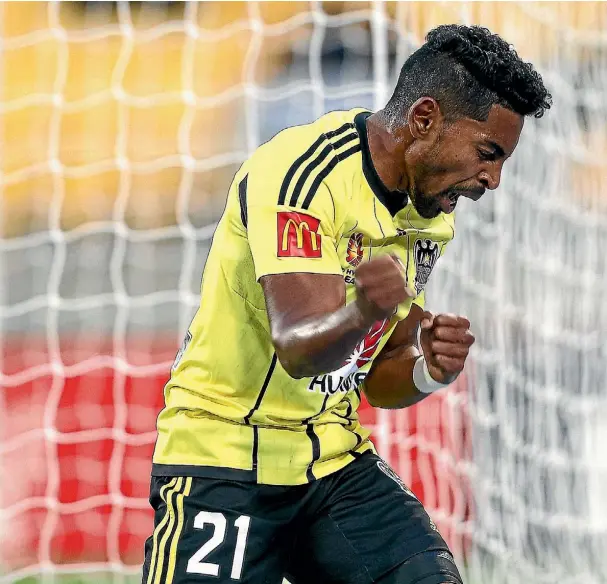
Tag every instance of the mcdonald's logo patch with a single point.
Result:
(298, 235)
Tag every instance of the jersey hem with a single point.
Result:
(204, 472)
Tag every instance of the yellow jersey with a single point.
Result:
(308, 200)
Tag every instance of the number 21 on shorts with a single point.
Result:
(197, 565)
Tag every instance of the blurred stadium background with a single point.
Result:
(122, 125)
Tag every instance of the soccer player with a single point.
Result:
(312, 294)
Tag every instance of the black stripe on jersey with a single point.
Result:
(314, 439)
(315, 451)
(264, 387)
(359, 439)
(242, 197)
(350, 427)
(349, 410)
(316, 162)
(341, 417)
(325, 172)
(255, 448)
(282, 197)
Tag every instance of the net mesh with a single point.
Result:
(122, 126)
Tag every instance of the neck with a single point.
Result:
(386, 147)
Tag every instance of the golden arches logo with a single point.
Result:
(299, 235)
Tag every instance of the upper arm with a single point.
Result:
(293, 233)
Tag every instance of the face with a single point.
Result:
(463, 158)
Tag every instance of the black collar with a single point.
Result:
(394, 201)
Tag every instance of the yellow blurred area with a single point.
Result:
(115, 111)
(94, 113)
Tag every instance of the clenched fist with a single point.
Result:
(381, 287)
(446, 340)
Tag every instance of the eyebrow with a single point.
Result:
(499, 151)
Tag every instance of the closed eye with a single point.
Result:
(486, 155)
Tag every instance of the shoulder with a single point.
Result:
(311, 147)
(303, 160)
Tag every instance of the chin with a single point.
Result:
(428, 212)
(425, 206)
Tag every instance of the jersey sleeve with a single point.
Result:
(291, 222)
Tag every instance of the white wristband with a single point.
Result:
(422, 379)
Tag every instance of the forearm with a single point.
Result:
(321, 343)
(390, 381)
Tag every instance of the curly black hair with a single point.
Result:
(468, 69)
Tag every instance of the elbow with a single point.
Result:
(301, 358)
(375, 399)
(292, 367)
(377, 402)
(391, 400)
(390, 405)
(289, 358)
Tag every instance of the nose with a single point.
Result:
(490, 178)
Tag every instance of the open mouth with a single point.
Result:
(448, 202)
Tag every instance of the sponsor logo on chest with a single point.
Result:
(348, 377)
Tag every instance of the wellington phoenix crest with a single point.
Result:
(425, 252)
(354, 253)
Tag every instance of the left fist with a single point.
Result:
(446, 340)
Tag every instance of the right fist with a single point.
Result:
(381, 287)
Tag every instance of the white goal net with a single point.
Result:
(122, 125)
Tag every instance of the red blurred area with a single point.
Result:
(82, 434)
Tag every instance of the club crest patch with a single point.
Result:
(354, 252)
(425, 253)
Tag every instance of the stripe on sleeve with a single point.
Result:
(325, 172)
(325, 153)
(242, 198)
(282, 197)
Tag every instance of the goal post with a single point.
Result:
(122, 125)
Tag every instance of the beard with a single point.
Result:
(426, 207)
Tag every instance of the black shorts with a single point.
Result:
(356, 526)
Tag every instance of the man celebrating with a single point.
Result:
(313, 292)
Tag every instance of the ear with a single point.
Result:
(425, 118)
